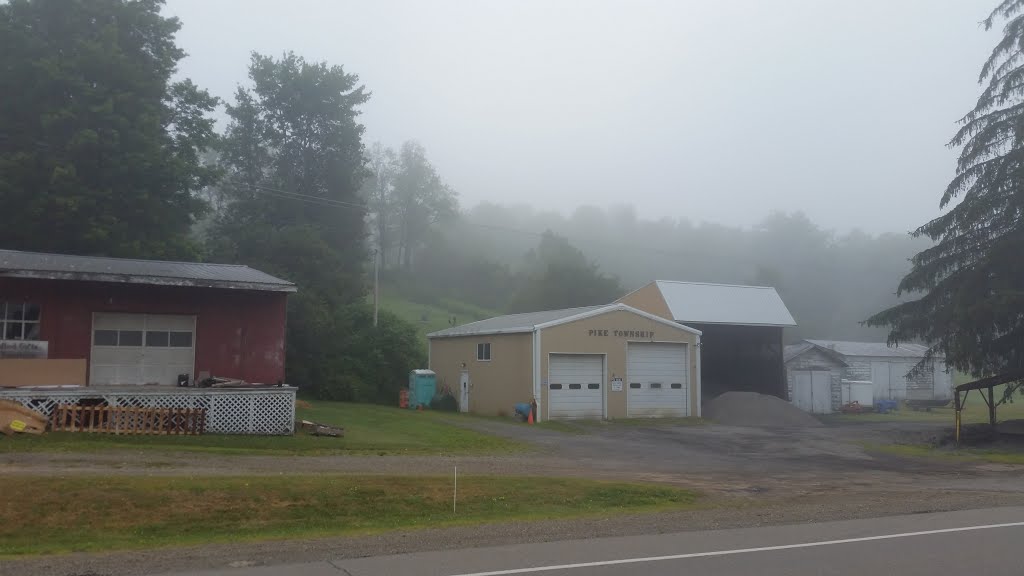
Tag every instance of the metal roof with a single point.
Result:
(875, 349)
(695, 302)
(16, 264)
(512, 323)
(530, 321)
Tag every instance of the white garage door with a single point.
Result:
(141, 348)
(658, 383)
(812, 391)
(575, 386)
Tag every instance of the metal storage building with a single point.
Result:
(816, 371)
(610, 361)
(741, 331)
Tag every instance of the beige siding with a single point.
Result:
(648, 299)
(576, 338)
(496, 386)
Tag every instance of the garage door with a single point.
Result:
(141, 348)
(658, 383)
(575, 386)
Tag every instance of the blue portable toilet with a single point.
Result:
(422, 388)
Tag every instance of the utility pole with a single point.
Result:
(376, 284)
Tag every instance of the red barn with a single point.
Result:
(144, 321)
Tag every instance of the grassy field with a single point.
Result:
(975, 412)
(45, 515)
(964, 454)
(432, 317)
(368, 430)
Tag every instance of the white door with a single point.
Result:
(464, 391)
(575, 386)
(812, 391)
(898, 379)
(880, 378)
(658, 383)
(821, 392)
(141, 349)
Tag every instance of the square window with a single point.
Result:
(129, 338)
(15, 311)
(13, 331)
(32, 312)
(157, 339)
(31, 331)
(180, 339)
(104, 338)
(483, 351)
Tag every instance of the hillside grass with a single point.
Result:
(431, 317)
(369, 429)
(50, 515)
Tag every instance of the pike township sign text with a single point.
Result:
(647, 334)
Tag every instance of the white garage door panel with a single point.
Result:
(575, 386)
(137, 348)
(658, 380)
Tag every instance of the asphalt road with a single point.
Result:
(966, 542)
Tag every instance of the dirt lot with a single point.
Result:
(751, 476)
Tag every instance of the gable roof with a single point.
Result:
(875, 349)
(531, 321)
(701, 303)
(794, 350)
(17, 264)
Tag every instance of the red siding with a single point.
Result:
(239, 333)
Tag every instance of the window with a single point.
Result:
(129, 338)
(655, 385)
(156, 339)
(104, 338)
(19, 321)
(181, 339)
(634, 385)
(555, 386)
(575, 386)
(483, 351)
(593, 386)
(677, 386)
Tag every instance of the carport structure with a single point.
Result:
(1016, 377)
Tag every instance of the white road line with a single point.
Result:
(737, 551)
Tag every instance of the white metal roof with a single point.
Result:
(530, 321)
(695, 302)
(875, 349)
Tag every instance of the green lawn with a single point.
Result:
(46, 515)
(975, 412)
(963, 454)
(368, 430)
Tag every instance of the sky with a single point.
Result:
(706, 110)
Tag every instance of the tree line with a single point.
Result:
(103, 152)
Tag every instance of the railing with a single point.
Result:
(128, 420)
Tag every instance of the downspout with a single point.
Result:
(536, 374)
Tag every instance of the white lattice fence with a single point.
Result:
(263, 412)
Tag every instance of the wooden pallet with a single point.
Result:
(128, 420)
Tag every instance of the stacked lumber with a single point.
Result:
(15, 418)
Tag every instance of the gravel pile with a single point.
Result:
(753, 409)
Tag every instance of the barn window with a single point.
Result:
(180, 339)
(19, 321)
(157, 338)
(483, 351)
(104, 338)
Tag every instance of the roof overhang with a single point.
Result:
(146, 280)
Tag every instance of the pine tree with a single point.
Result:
(971, 282)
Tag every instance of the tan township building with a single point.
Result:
(611, 361)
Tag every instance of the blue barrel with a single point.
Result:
(523, 410)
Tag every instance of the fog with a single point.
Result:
(709, 111)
